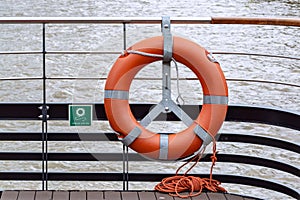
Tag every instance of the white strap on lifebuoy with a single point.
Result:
(116, 94)
(215, 100)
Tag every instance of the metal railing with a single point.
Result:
(46, 112)
(152, 20)
(235, 113)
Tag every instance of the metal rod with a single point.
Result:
(125, 148)
(263, 81)
(101, 20)
(153, 20)
(127, 169)
(19, 52)
(117, 53)
(60, 52)
(255, 54)
(256, 21)
(44, 117)
(166, 64)
(43, 125)
(124, 166)
(145, 78)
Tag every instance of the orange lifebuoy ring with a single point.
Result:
(175, 145)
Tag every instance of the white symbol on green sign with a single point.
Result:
(80, 115)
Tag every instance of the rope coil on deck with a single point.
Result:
(177, 184)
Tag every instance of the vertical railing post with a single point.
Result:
(44, 118)
(125, 148)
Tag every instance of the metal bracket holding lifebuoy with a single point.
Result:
(199, 131)
(166, 105)
(167, 58)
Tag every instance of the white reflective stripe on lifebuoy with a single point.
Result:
(209, 99)
(201, 133)
(132, 135)
(164, 145)
(116, 94)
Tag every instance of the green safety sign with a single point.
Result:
(80, 115)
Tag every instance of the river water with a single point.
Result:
(91, 37)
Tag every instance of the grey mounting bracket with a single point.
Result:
(166, 66)
(168, 39)
(166, 105)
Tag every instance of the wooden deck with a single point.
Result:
(110, 195)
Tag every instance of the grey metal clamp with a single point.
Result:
(166, 105)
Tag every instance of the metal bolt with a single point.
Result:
(41, 116)
(41, 107)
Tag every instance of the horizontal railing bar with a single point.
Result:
(19, 52)
(260, 140)
(101, 20)
(231, 158)
(188, 78)
(50, 78)
(77, 78)
(265, 115)
(241, 113)
(144, 177)
(256, 21)
(153, 20)
(255, 54)
(21, 78)
(145, 79)
(110, 136)
(58, 52)
(84, 52)
(119, 53)
(58, 136)
(262, 81)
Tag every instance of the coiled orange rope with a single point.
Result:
(178, 184)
